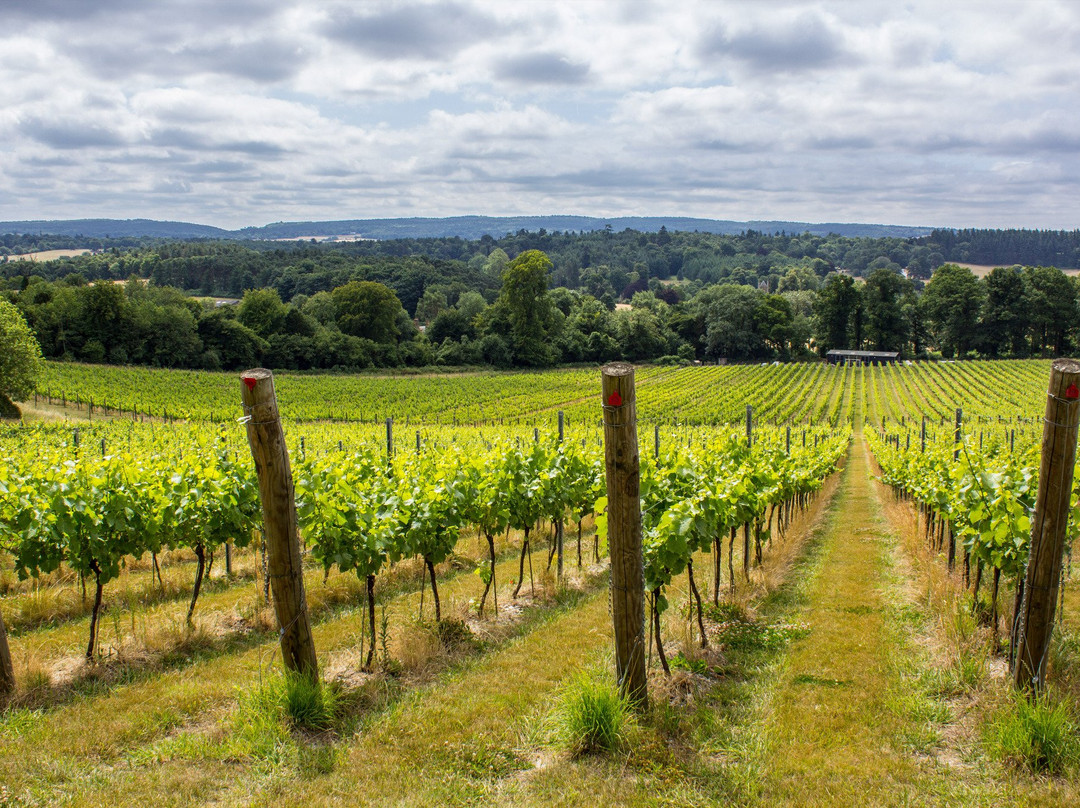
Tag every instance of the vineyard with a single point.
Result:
(453, 535)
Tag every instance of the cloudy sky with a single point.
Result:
(244, 112)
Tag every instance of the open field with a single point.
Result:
(833, 657)
(47, 255)
(982, 270)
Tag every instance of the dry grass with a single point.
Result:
(982, 270)
(57, 597)
(955, 677)
(47, 255)
(108, 724)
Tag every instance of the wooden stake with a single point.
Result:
(624, 529)
(1035, 624)
(559, 525)
(276, 491)
(7, 668)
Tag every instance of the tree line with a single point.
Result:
(525, 322)
(536, 299)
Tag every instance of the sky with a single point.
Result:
(246, 112)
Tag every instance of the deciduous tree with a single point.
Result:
(525, 296)
(20, 358)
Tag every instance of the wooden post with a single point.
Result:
(749, 426)
(276, 491)
(1035, 618)
(958, 434)
(656, 441)
(389, 438)
(624, 529)
(7, 668)
(559, 524)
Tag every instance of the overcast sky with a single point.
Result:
(244, 112)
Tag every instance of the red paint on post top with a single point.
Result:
(614, 400)
(1072, 392)
(250, 382)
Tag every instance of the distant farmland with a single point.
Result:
(982, 270)
(47, 255)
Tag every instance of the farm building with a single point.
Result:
(861, 357)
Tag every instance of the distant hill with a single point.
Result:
(115, 228)
(474, 227)
(467, 227)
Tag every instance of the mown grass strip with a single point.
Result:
(60, 752)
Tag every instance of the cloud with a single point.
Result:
(196, 141)
(777, 45)
(71, 133)
(253, 110)
(62, 10)
(430, 32)
(541, 68)
(137, 14)
(262, 60)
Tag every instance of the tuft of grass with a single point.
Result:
(289, 699)
(591, 715)
(1039, 734)
(309, 704)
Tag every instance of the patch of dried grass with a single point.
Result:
(417, 647)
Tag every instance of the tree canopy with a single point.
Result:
(20, 358)
(533, 299)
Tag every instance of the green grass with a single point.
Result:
(1037, 734)
(591, 715)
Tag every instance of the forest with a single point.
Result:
(534, 299)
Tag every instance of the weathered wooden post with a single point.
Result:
(958, 434)
(749, 426)
(1035, 618)
(390, 439)
(284, 570)
(7, 668)
(624, 529)
(559, 524)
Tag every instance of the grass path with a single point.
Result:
(831, 725)
(851, 722)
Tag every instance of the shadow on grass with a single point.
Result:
(144, 652)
